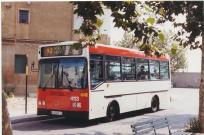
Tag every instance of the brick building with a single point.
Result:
(25, 26)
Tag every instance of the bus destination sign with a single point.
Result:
(62, 50)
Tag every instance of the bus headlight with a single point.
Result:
(39, 102)
(43, 102)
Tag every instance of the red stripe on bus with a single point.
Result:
(98, 49)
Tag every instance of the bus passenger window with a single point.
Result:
(164, 70)
(128, 69)
(142, 69)
(96, 72)
(154, 70)
(113, 70)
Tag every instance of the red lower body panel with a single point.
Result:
(76, 100)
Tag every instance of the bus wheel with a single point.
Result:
(155, 104)
(112, 112)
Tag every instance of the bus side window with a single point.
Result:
(154, 70)
(96, 71)
(142, 69)
(128, 68)
(113, 69)
(164, 70)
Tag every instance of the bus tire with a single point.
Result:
(155, 104)
(112, 112)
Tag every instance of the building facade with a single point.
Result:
(25, 26)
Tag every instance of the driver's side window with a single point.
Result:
(96, 69)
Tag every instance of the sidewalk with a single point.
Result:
(16, 106)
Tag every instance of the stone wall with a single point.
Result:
(186, 79)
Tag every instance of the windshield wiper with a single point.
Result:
(69, 82)
(54, 73)
(49, 78)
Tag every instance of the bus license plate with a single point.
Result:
(56, 112)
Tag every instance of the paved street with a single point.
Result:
(184, 105)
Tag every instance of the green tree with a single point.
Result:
(176, 52)
(178, 58)
(128, 41)
(126, 16)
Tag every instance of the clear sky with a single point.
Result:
(194, 60)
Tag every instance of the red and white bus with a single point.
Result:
(99, 81)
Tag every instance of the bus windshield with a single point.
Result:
(67, 73)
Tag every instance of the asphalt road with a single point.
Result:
(184, 105)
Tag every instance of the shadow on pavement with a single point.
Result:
(65, 124)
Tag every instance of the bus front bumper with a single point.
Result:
(70, 114)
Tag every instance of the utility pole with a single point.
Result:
(26, 91)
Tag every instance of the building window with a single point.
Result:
(20, 64)
(23, 16)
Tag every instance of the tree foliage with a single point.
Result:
(194, 18)
(127, 41)
(126, 14)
